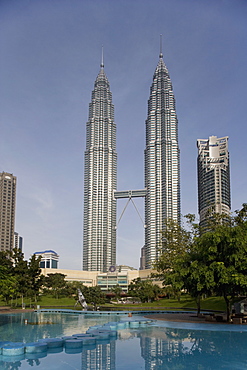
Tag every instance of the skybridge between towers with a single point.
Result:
(129, 194)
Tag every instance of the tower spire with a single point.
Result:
(161, 55)
(102, 58)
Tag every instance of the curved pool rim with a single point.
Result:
(161, 323)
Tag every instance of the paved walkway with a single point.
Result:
(182, 317)
(6, 309)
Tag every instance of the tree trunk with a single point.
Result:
(228, 307)
(198, 304)
(22, 301)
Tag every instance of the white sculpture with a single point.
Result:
(81, 300)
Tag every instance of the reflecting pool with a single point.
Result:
(159, 345)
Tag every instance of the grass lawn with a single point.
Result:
(45, 301)
(186, 302)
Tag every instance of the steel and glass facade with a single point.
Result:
(213, 177)
(100, 180)
(162, 161)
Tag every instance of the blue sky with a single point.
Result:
(50, 57)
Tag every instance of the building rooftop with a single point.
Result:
(47, 251)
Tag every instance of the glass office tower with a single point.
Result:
(213, 172)
(100, 180)
(162, 161)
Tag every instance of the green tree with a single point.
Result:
(6, 260)
(117, 290)
(55, 283)
(7, 284)
(198, 278)
(21, 277)
(71, 289)
(93, 295)
(145, 290)
(180, 265)
(175, 242)
(224, 251)
(172, 264)
(35, 279)
(20, 272)
(214, 261)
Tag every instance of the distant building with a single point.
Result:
(7, 210)
(49, 259)
(213, 177)
(18, 241)
(122, 275)
(142, 259)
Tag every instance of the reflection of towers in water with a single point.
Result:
(100, 358)
(158, 350)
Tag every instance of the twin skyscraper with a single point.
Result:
(162, 171)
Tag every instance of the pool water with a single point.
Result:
(157, 346)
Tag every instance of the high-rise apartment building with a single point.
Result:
(18, 241)
(7, 210)
(213, 177)
(100, 180)
(162, 161)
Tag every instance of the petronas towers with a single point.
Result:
(100, 180)
(162, 163)
(162, 182)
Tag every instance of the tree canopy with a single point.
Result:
(212, 262)
(145, 290)
(56, 283)
(18, 276)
